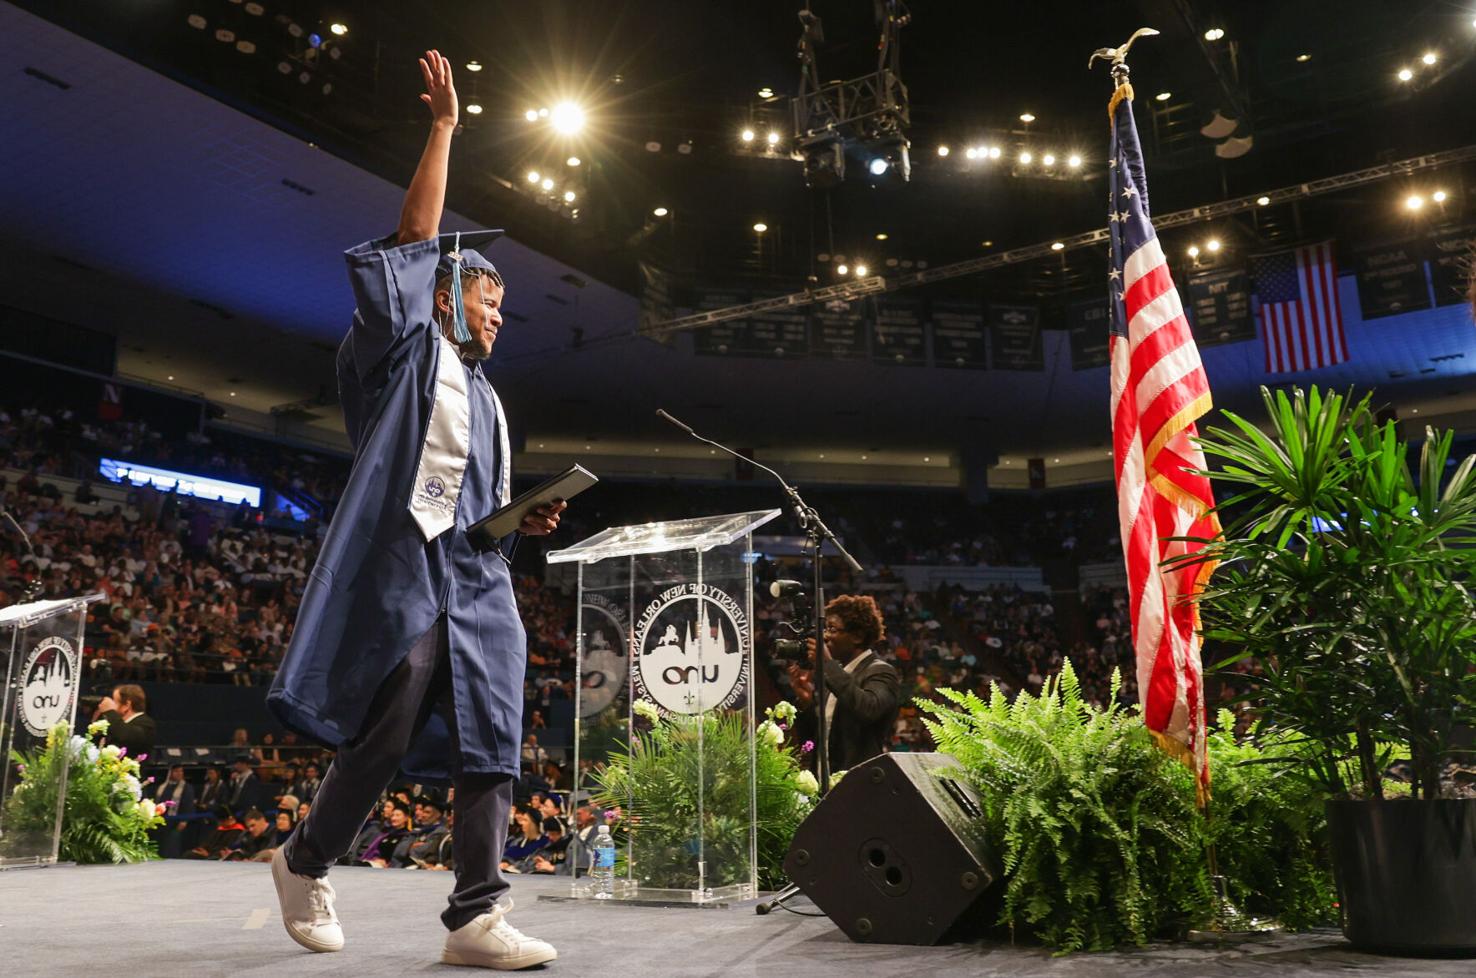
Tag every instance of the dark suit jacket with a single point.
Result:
(137, 736)
(244, 794)
(866, 705)
(185, 805)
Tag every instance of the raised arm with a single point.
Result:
(420, 218)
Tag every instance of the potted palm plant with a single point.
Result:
(1344, 584)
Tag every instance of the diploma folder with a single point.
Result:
(485, 533)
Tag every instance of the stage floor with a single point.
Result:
(196, 919)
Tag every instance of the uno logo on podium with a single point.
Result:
(603, 669)
(48, 685)
(693, 641)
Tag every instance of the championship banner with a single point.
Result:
(838, 330)
(779, 333)
(959, 337)
(1450, 269)
(1219, 307)
(721, 339)
(1391, 279)
(1086, 325)
(1014, 338)
(899, 333)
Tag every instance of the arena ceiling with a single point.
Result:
(212, 192)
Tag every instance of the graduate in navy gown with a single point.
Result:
(408, 652)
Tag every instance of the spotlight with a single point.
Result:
(1027, 117)
(1194, 251)
(572, 161)
(1404, 74)
(942, 150)
(1263, 200)
(995, 152)
(304, 78)
(1164, 96)
(773, 138)
(860, 271)
(543, 113)
(196, 21)
(760, 227)
(1213, 244)
(568, 196)
(475, 108)
(661, 212)
(477, 66)
(225, 36)
(246, 47)
(1438, 196)
(877, 166)
(256, 10)
(284, 67)
(1057, 246)
(567, 118)
(882, 235)
(1214, 34)
(1303, 58)
(547, 183)
(533, 176)
(315, 40)
(684, 147)
(338, 29)
(653, 147)
(746, 135)
(531, 115)
(1414, 202)
(1049, 159)
(1026, 157)
(1430, 58)
(842, 268)
(1074, 161)
(971, 153)
(766, 92)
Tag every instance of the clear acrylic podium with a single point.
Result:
(42, 645)
(665, 613)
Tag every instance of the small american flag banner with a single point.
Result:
(1159, 389)
(1301, 315)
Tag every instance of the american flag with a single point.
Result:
(1301, 315)
(1158, 390)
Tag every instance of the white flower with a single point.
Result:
(146, 808)
(769, 733)
(112, 751)
(647, 711)
(807, 784)
(134, 788)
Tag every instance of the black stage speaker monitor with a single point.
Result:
(896, 854)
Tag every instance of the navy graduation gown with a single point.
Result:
(378, 586)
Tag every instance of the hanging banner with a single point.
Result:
(1219, 306)
(1086, 324)
(1450, 265)
(779, 333)
(959, 337)
(838, 330)
(899, 333)
(1014, 338)
(1391, 279)
(721, 339)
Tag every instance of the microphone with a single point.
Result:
(785, 589)
(661, 413)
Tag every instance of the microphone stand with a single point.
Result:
(817, 535)
(32, 589)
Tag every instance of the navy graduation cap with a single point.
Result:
(458, 254)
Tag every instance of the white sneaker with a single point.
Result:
(307, 907)
(490, 941)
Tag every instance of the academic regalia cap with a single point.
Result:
(465, 245)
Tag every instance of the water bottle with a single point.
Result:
(603, 871)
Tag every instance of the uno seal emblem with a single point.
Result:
(434, 487)
(49, 686)
(693, 642)
(606, 640)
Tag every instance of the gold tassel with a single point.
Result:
(1123, 91)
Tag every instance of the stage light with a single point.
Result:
(1404, 74)
(567, 118)
(653, 147)
(543, 113)
(684, 147)
(1430, 57)
(477, 66)
(256, 10)
(1057, 246)
(1025, 157)
(304, 78)
(877, 166)
(661, 212)
(995, 152)
(766, 92)
(861, 271)
(1213, 244)
(533, 176)
(773, 138)
(340, 29)
(568, 196)
(1263, 200)
(225, 36)
(1164, 96)
(1214, 34)
(284, 67)
(246, 47)
(882, 235)
(1074, 160)
(1049, 159)
(1438, 196)
(760, 227)
(942, 150)
(531, 115)
(1194, 251)
(971, 153)
(842, 268)
(1303, 58)
(170, 377)
(547, 183)
(315, 40)
(746, 135)
(474, 108)
(986, 244)
(1414, 202)
(1027, 117)
(233, 393)
(572, 161)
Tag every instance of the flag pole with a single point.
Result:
(1229, 924)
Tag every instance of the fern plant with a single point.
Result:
(682, 786)
(1099, 837)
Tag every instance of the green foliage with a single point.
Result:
(1097, 830)
(104, 820)
(1345, 575)
(686, 774)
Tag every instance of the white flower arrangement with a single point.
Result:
(807, 784)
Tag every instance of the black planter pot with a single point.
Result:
(1406, 874)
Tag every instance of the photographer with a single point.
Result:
(864, 691)
(128, 727)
